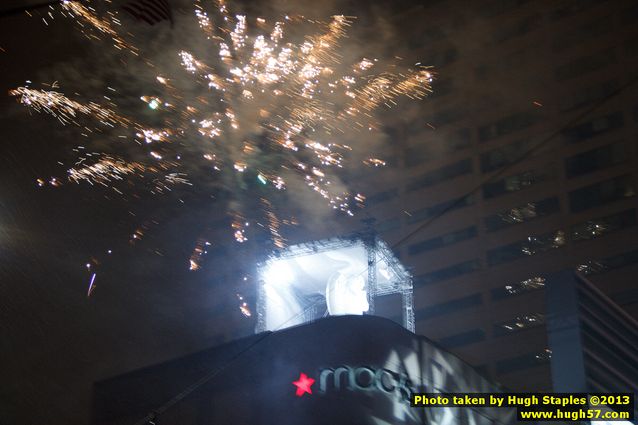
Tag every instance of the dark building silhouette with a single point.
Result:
(339, 370)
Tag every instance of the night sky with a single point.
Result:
(146, 306)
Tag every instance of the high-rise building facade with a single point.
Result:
(522, 163)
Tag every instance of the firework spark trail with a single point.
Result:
(91, 285)
(88, 16)
(67, 110)
(298, 72)
(264, 104)
(105, 170)
(273, 224)
(198, 252)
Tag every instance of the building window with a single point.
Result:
(416, 155)
(380, 197)
(572, 7)
(586, 64)
(445, 173)
(610, 263)
(518, 288)
(447, 116)
(436, 210)
(596, 227)
(629, 15)
(447, 272)
(590, 95)
(519, 323)
(626, 297)
(494, 8)
(592, 29)
(481, 72)
(461, 139)
(499, 157)
(594, 127)
(530, 246)
(443, 240)
(601, 193)
(517, 182)
(522, 214)
(631, 47)
(507, 125)
(448, 307)
(526, 361)
(595, 159)
(521, 28)
(463, 338)
(388, 225)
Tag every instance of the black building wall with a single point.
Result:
(364, 369)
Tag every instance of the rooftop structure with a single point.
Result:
(330, 277)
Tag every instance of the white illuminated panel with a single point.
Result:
(326, 278)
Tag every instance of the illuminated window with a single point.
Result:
(463, 338)
(518, 288)
(519, 323)
(442, 174)
(443, 240)
(448, 307)
(527, 247)
(591, 267)
(526, 361)
(594, 127)
(522, 214)
(517, 182)
(600, 226)
(428, 212)
(585, 65)
(507, 125)
(610, 263)
(601, 193)
(595, 159)
(447, 272)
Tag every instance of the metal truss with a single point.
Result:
(377, 252)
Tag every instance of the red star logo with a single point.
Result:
(303, 385)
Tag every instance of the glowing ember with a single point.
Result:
(265, 105)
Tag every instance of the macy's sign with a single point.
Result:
(365, 378)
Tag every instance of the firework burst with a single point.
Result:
(271, 103)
